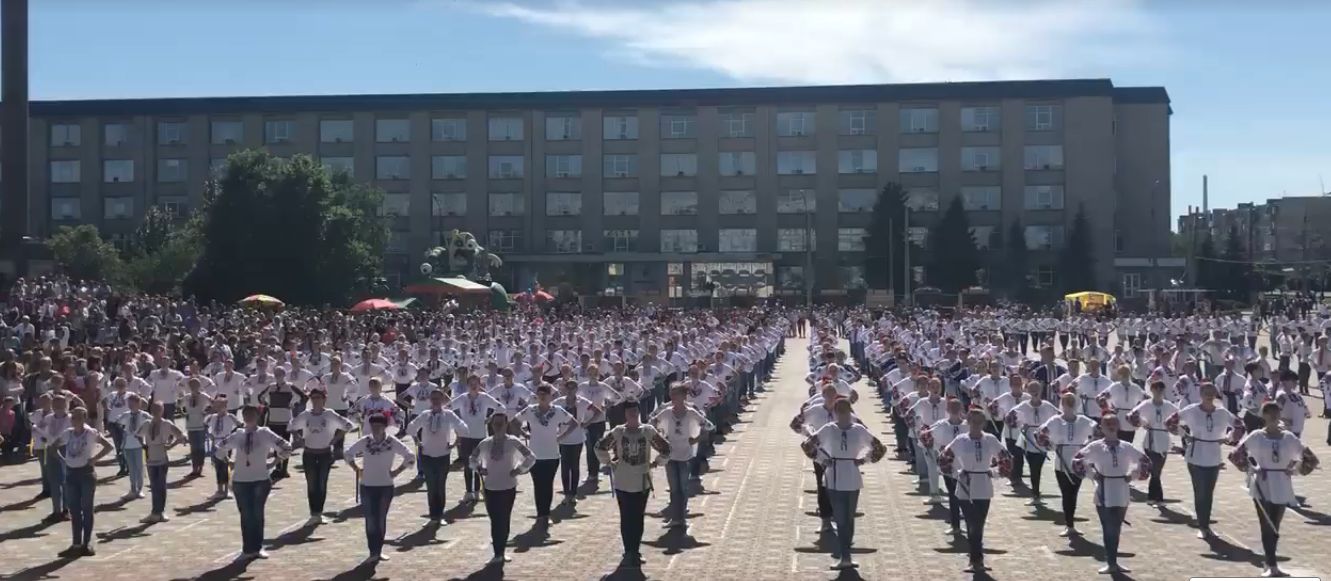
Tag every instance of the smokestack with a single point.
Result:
(14, 112)
(1206, 206)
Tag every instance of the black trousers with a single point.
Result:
(1203, 487)
(1271, 530)
(1068, 486)
(1155, 490)
(1036, 462)
(594, 433)
(435, 469)
(824, 503)
(280, 466)
(499, 505)
(316, 464)
(953, 510)
(1111, 523)
(543, 482)
(976, 512)
(1018, 459)
(570, 468)
(470, 478)
(632, 511)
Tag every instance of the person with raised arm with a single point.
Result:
(1272, 456)
(842, 447)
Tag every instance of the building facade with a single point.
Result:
(658, 192)
(1282, 230)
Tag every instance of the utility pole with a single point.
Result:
(14, 164)
(905, 253)
(808, 249)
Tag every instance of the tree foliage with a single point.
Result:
(1077, 259)
(884, 245)
(81, 253)
(1235, 271)
(953, 255)
(1207, 267)
(1016, 263)
(285, 228)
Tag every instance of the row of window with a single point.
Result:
(568, 126)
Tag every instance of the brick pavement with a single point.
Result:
(755, 521)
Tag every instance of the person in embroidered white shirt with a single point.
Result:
(233, 384)
(843, 446)
(474, 407)
(116, 404)
(1088, 387)
(158, 435)
(627, 451)
(547, 425)
(514, 396)
(1120, 398)
(572, 441)
(1027, 418)
(927, 411)
(318, 427)
(252, 481)
(937, 436)
(998, 410)
(1112, 463)
(375, 479)
(196, 404)
(500, 459)
(1272, 456)
(1151, 415)
(166, 386)
(219, 425)
(434, 432)
(76, 444)
(1205, 425)
(970, 458)
(603, 396)
(683, 426)
(1067, 434)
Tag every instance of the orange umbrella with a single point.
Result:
(375, 305)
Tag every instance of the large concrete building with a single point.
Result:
(656, 192)
(1291, 229)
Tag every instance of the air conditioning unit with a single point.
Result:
(115, 179)
(680, 174)
(799, 170)
(566, 136)
(623, 212)
(739, 172)
(1047, 166)
(563, 212)
(508, 138)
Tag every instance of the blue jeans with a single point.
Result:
(436, 476)
(134, 462)
(80, 483)
(251, 498)
(376, 500)
(677, 476)
(844, 503)
(157, 480)
(55, 479)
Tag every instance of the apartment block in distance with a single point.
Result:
(655, 193)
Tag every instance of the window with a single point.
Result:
(795, 240)
(504, 240)
(796, 201)
(68, 171)
(117, 170)
(738, 163)
(857, 161)
(1132, 284)
(171, 170)
(337, 130)
(918, 236)
(850, 239)
(66, 209)
(171, 132)
(980, 159)
(621, 240)
(448, 129)
(679, 126)
(1040, 117)
(1044, 237)
(852, 277)
(118, 208)
(66, 135)
(228, 132)
(979, 119)
(795, 162)
(679, 203)
(563, 241)
(1044, 275)
(679, 164)
(392, 167)
(917, 159)
(448, 167)
(279, 131)
(983, 236)
(737, 202)
(563, 166)
(621, 166)
(392, 130)
(620, 203)
(506, 167)
(1044, 197)
(563, 127)
(979, 198)
(679, 241)
(563, 204)
(854, 201)
(620, 127)
(1039, 157)
(505, 128)
(790, 277)
(114, 134)
(449, 204)
(507, 205)
(738, 240)
(336, 165)
(395, 205)
(737, 124)
(922, 199)
(858, 121)
(794, 123)
(919, 120)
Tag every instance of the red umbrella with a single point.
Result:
(375, 305)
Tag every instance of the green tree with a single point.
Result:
(1016, 263)
(1207, 267)
(81, 253)
(953, 255)
(1077, 259)
(884, 243)
(285, 228)
(162, 252)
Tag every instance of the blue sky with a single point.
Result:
(1249, 81)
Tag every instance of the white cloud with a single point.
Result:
(860, 41)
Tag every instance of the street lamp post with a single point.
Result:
(808, 248)
(905, 253)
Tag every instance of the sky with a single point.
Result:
(1249, 81)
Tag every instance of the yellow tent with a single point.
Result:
(1091, 300)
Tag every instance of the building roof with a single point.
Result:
(1047, 89)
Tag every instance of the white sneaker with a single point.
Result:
(315, 519)
(1035, 502)
(262, 554)
(382, 557)
(139, 494)
(935, 499)
(163, 518)
(1068, 532)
